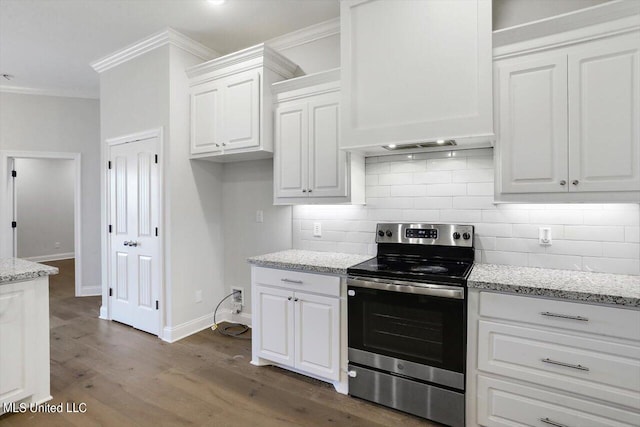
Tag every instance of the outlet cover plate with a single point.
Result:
(235, 298)
(317, 229)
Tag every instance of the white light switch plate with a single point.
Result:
(259, 216)
(317, 229)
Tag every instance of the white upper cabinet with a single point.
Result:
(415, 71)
(309, 166)
(568, 114)
(231, 104)
(533, 123)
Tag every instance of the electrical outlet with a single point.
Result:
(237, 307)
(259, 215)
(317, 229)
(198, 296)
(544, 236)
(238, 295)
(57, 245)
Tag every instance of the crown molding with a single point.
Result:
(306, 35)
(63, 93)
(165, 37)
(567, 22)
(331, 77)
(258, 55)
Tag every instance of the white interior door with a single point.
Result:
(134, 248)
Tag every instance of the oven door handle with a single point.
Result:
(442, 291)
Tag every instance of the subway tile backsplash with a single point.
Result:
(457, 187)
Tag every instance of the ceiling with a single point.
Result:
(47, 45)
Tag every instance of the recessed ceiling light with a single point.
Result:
(216, 2)
(440, 141)
(391, 145)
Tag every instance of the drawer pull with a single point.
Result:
(567, 365)
(299, 282)
(564, 316)
(551, 422)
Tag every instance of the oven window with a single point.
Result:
(417, 328)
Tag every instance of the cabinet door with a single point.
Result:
(241, 111)
(317, 335)
(327, 163)
(533, 124)
(604, 115)
(415, 71)
(206, 131)
(291, 151)
(274, 330)
(16, 348)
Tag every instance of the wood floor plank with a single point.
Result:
(130, 378)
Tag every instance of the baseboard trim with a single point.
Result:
(176, 333)
(90, 291)
(104, 313)
(51, 257)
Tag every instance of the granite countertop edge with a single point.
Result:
(309, 261)
(16, 270)
(306, 268)
(610, 289)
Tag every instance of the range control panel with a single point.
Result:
(425, 234)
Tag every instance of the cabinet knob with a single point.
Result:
(295, 300)
(304, 191)
(563, 182)
(289, 298)
(217, 145)
(309, 190)
(224, 144)
(575, 182)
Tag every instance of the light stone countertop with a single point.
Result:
(309, 261)
(14, 269)
(571, 285)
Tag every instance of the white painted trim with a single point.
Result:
(607, 19)
(331, 77)
(105, 309)
(260, 55)
(306, 35)
(63, 93)
(51, 257)
(6, 196)
(91, 291)
(175, 333)
(162, 38)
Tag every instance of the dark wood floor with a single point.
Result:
(130, 378)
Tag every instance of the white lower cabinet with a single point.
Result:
(541, 362)
(24, 343)
(296, 322)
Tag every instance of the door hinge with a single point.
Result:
(14, 174)
(110, 292)
(157, 305)
(156, 159)
(156, 231)
(109, 164)
(109, 228)
(14, 224)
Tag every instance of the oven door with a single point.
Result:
(415, 330)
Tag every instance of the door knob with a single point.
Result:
(132, 243)
(126, 243)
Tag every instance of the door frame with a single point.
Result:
(105, 309)
(8, 243)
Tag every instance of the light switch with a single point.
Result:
(259, 215)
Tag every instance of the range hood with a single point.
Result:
(427, 146)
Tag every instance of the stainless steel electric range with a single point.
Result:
(407, 320)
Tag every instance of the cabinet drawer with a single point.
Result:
(591, 367)
(611, 321)
(502, 403)
(297, 281)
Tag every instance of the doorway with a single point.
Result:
(134, 246)
(42, 195)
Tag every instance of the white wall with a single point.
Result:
(459, 189)
(48, 123)
(248, 187)
(44, 201)
(317, 55)
(507, 13)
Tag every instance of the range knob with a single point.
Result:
(466, 236)
(456, 235)
(380, 233)
(389, 233)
